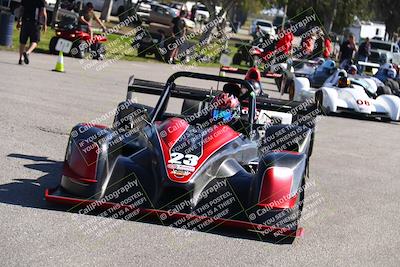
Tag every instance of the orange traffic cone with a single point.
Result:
(60, 63)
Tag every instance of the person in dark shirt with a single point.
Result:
(85, 19)
(33, 17)
(364, 51)
(178, 31)
(347, 50)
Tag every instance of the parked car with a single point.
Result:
(164, 15)
(384, 52)
(265, 26)
(120, 6)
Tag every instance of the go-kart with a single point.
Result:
(161, 163)
(82, 42)
(362, 96)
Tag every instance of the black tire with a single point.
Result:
(291, 90)
(278, 82)
(383, 90)
(237, 59)
(393, 86)
(288, 79)
(384, 119)
(52, 45)
(141, 51)
(319, 100)
(255, 61)
(121, 15)
(76, 51)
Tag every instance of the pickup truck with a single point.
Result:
(384, 52)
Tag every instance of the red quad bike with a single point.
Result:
(81, 41)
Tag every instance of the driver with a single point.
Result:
(225, 108)
(352, 70)
(343, 82)
(253, 75)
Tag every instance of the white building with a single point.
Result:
(364, 29)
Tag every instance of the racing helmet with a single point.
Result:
(391, 73)
(387, 66)
(329, 64)
(320, 61)
(225, 107)
(253, 74)
(342, 73)
(232, 89)
(353, 69)
(344, 82)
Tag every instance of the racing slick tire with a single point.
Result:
(52, 45)
(237, 59)
(319, 100)
(285, 82)
(383, 90)
(393, 85)
(76, 50)
(291, 90)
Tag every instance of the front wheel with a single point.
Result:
(291, 91)
(237, 59)
(319, 101)
(77, 49)
(52, 45)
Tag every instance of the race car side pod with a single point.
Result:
(299, 232)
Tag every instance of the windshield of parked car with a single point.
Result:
(202, 8)
(264, 24)
(381, 46)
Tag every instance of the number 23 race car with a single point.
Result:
(195, 169)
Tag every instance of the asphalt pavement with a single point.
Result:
(351, 212)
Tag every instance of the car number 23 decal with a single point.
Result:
(188, 159)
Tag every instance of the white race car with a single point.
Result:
(355, 94)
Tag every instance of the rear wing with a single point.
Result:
(240, 71)
(199, 94)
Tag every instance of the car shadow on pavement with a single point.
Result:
(361, 118)
(30, 193)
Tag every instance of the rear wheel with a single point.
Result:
(237, 59)
(78, 50)
(141, 51)
(291, 91)
(52, 45)
(319, 100)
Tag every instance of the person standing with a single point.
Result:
(178, 31)
(347, 50)
(364, 51)
(33, 18)
(327, 47)
(85, 19)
